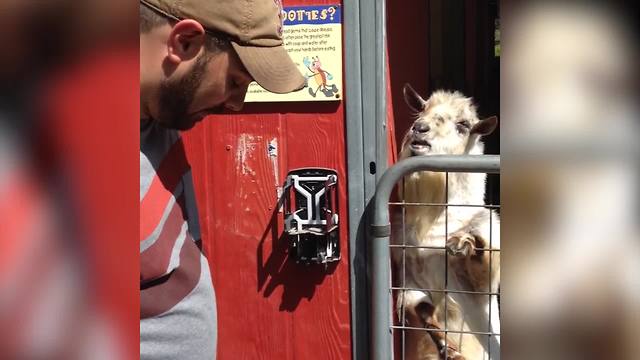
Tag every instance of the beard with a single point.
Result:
(175, 96)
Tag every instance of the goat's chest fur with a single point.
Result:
(432, 221)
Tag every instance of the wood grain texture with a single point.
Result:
(270, 307)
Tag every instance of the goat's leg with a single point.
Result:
(477, 269)
(419, 313)
(472, 262)
(418, 345)
(447, 348)
(461, 245)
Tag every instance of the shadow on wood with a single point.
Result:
(300, 107)
(299, 281)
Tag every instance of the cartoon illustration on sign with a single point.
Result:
(320, 77)
(312, 35)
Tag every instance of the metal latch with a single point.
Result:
(310, 215)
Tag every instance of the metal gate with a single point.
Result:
(383, 330)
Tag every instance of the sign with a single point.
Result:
(313, 38)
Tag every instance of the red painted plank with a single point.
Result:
(268, 306)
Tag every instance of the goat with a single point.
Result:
(447, 123)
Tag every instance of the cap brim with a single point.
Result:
(271, 67)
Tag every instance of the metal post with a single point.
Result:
(356, 179)
(380, 230)
(365, 104)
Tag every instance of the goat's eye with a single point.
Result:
(463, 127)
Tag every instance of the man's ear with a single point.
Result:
(185, 41)
(413, 99)
(485, 127)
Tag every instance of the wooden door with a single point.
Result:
(268, 306)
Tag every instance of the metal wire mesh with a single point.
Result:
(401, 327)
(380, 230)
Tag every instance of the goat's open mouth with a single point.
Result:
(420, 146)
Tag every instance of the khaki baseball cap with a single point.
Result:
(254, 28)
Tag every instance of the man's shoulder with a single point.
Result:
(156, 142)
(154, 136)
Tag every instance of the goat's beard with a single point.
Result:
(175, 96)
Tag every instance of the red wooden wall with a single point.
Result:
(408, 60)
(269, 307)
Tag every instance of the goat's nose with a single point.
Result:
(421, 127)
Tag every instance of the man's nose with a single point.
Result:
(236, 100)
(234, 106)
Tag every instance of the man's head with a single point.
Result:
(198, 57)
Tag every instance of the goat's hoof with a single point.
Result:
(462, 245)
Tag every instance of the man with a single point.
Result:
(197, 57)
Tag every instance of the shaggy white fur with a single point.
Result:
(447, 123)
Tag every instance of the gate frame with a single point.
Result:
(366, 129)
(380, 231)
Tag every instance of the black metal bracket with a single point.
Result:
(310, 215)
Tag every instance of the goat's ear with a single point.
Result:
(413, 99)
(485, 126)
